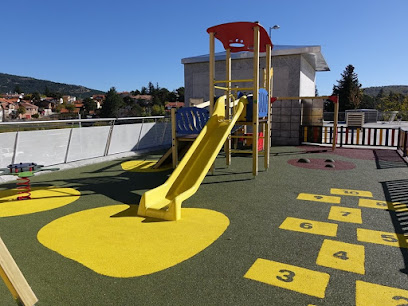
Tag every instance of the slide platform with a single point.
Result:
(164, 202)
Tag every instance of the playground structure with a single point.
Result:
(237, 37)
(14, 279)
(186, 124)
(24, 171)
(164, 202)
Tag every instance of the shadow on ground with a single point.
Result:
(387, 159)
(397, 191)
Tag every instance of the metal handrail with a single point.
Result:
(81, 120)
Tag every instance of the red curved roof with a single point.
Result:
(239, 36)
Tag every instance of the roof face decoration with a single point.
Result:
(239, 36)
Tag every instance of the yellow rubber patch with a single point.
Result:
(143, 166)
(42, 199)
(378, 295)
(382, 205)
(342, 256)
(385, 238)
(318, 198)
(345, 214)
(309, 226)
(114, 241)
(350, 192)
(289, 277)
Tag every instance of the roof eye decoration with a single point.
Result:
(237, 43)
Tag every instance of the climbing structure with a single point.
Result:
(238, 37)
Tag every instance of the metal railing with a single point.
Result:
(62, 141)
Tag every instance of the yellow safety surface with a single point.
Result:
(385, 238)
(345, 214)
(42, 199)
(115, 242)
(400, 207)
(289, 277)
(342, 256)
(318, 198)
(309, 226)
(143, 166)
(351, 192)
(378, 295)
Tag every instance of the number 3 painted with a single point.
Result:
(286, 277)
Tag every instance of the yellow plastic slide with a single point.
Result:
(164, 202)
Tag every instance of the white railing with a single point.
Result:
(62, 141)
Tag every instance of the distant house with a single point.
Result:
(143, 99)
(99, 100)
(9, 107)
(31, 110)
(170, 105)
(69, 99)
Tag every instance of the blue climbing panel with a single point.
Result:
(191, 120)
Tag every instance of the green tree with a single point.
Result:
(348, 89)
(70, 107)
(35, 97)
(112, 104)
(17, 89)
(180, 94)
(21, 110)
(47, 92)
(89, 105)
(157, 110)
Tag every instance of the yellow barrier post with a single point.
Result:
(267, 135)
(255, 119)
(227, 146)
(336, 120)
(211, 72)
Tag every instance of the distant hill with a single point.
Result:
(373, 91)
(27, 85)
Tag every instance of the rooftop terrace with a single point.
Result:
(297, 234)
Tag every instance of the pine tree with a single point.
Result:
(348, 89)
(112, 104)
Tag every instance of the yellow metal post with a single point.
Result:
(255, 119)
(212, 79)
(227, 146)
(211, 73)
(336, 120)
(267, 135)
(174, 144)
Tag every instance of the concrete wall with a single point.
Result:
(307, 82)
(286, 81)
(294, 76)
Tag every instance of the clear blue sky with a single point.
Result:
(126, 44)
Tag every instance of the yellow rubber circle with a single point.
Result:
(42, 199)
(114, 241)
